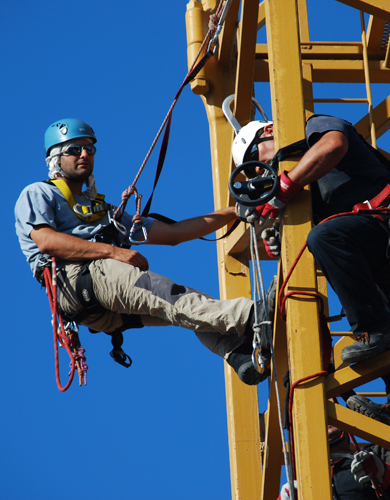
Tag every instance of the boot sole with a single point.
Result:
(363, 407)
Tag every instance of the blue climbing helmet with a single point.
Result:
(65, 130)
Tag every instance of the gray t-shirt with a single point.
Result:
(43, 203)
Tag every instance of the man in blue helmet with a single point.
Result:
(108, 287)
(343, 171)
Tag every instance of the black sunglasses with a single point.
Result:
(76, 149)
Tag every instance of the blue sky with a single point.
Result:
(158, 429)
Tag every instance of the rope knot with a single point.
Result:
(213, 23)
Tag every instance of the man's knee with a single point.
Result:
(316, 239)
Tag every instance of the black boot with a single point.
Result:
(241, 358)
(365, 406)
(366, 346)
(241, 362)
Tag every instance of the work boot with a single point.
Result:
(241, 362)
(241, 358)
(367, 346)
(363, 405)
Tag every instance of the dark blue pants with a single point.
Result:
(351, 252)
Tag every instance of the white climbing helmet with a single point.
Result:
(246, 137)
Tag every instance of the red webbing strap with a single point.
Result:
(51, 289)
(381, 199)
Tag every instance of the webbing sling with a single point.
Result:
(86, 295)
(98, 207)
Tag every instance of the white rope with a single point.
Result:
(259, 277)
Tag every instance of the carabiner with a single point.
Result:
(214, 40)
(133, 230)
(78, 212)
(257, 357)
(120, 227)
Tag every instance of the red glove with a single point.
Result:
(287, 189)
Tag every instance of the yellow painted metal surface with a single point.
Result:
(291, 62)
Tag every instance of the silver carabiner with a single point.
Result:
(120, 227)
(79, 212)
(257, 358)
(214, 40)
(133, 230)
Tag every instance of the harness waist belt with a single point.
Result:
(380, 200)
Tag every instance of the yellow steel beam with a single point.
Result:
(261, 16)
(238, 241)
(327, 50)
(309, 417)
(375, 31)
(227, 37)
(378, 8)
(246, 62)
(242, 401)
(362, 426)
(334, 71)
(303, 22)
(358, 374)
(381, 114)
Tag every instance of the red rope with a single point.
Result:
(377, 212)
(59, 333)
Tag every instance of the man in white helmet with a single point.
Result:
(343, 170)
(106, 286)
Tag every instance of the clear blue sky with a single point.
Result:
(158, 429)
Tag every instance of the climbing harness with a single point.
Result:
(88, 213)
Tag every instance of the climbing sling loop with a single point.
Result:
(66, 336)
(211, 40)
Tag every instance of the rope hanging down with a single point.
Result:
(66, 337)
(258, 284)
(215, 26)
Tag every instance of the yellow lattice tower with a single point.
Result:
(291, 63)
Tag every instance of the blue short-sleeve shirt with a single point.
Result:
(43, 203)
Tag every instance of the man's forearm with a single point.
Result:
(190, 229)
(73, 249)
(68, 247)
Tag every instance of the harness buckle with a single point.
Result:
(368, 203)
(78, 210)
